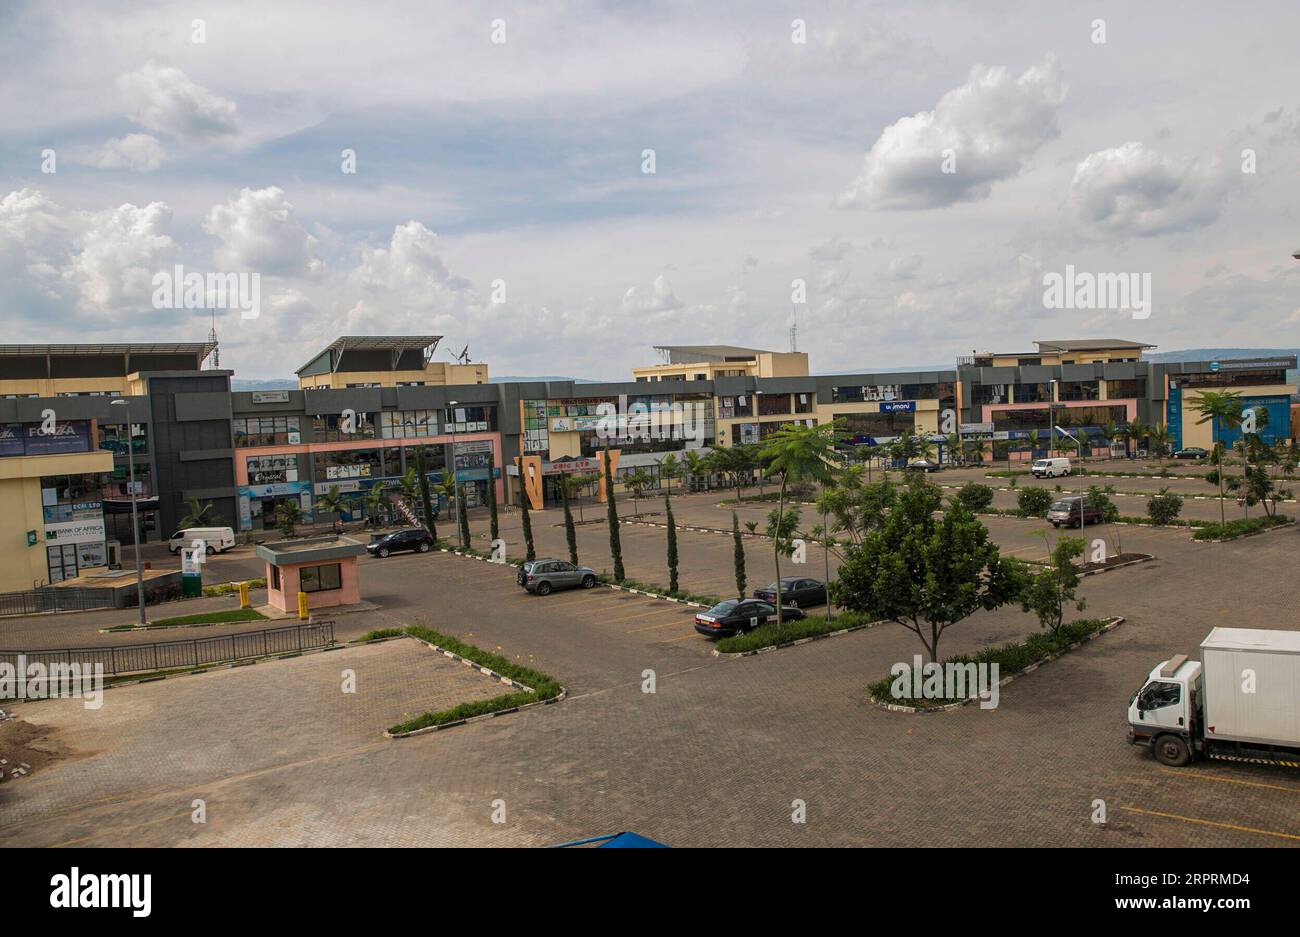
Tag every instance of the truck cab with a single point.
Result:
(1165, 712)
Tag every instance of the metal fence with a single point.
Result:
(54, 600)
(192, 652)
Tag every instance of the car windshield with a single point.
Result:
(722, 608)
(1041, 463)
(1062, 505)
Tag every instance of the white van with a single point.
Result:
(217, 539)
(1050, 468)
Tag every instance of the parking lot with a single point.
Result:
(716, 755)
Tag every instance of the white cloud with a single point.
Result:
(904, 268)
(1132, 190)
(118, 252)
(993, 124)
(660, 298)
(164, 99)
(138, 152)
(259, 232)
(410, 266)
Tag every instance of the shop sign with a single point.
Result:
(77, 531)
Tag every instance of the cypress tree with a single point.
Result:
(570, 534)
(739, 555)
(672, 546)
(492, 496)
(464, 517)
(426, 499)
(530, 552)
(611, 511)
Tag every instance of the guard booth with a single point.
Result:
(324, 568)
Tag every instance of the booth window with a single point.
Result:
(320, 578)
(275, 578)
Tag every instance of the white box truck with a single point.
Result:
(1240, 702)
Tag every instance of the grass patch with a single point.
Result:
(707, 600)
(543, 686)
(380, 633)
(1239, 528)
(226, 588)
(1011, 659)
(771, 634)
(206, 618)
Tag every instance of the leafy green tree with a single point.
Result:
(448, 494)
(1222, 409)
(1034, 501)
(738, 555)
(696, 466)
(331, 502)
(376, 501)
(799, 453)
(637, 482)
(1049, 592)
(426, 496)
(530, 552)
(611, 512)
(924, 572)
(855, 508)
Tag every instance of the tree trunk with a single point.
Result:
(776, 551)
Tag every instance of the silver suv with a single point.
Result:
(543, 576)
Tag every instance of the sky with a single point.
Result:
(561, 186)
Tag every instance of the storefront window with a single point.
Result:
(405, 424)
(352, 463)
(112, 436)
(267, 431)
(470, 419)
(330, 427)
(271, 469)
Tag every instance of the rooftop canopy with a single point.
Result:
(1090, 344)
(700, 354)
(395, 345)
(133, 348)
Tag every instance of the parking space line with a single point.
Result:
(1210, 777)
(643, 613)
(667, 624)
(1215, 823)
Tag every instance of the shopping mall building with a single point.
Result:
(363, 405)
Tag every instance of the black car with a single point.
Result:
(796, 591)
(736, 617)
(1191, 452)
(416, 539)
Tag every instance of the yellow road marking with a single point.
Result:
(1210, 777)
(1225, 826)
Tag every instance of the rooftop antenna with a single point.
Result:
(794, 328)
(212, 338)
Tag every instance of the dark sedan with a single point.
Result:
(1191, 452)
(416, 539)
(796, 591)
(737, 617)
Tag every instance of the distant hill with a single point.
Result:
(241, 385)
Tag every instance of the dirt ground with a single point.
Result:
(27, 748)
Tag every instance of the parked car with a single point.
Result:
(1050, 468)
(543, 576)
(736, 617)
(415, 538)
(1067, 511)
(796, 591)
(1191, 452)
(923, 465)
(215, 539)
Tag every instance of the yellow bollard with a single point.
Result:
(302, 606)
(243, 595)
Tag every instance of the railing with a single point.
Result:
(54, 600)
(189, 653)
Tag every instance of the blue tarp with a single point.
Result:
(616, 841)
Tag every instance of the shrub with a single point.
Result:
(1165, 507)
(1034, 502)
(768, 635)
(1239, 528)
(975, 496)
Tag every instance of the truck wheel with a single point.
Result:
(1172, 750)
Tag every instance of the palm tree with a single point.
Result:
(669, 470)
(331, 502)
(446, 489)
(1220, 409)
(696, 465)
(636, 482)
(376, 503)
(798, 453)
(199, 515)
(288, 516)
(1162, 441)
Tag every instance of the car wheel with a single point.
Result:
(1172, 750)
(588, 582)
(382, 552)
(543, 588)
(210, 551)
(424, 546)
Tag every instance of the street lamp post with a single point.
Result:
(1051, 401)
(135, 517)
